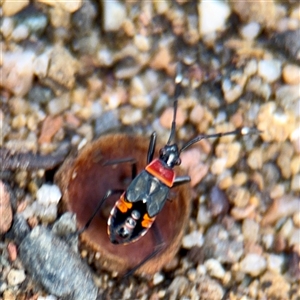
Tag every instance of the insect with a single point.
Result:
(135, 211)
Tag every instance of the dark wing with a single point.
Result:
(150, 190)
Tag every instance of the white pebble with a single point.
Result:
(158, 278)
(7, 27)
(220, 12)
(275, 262)
(250, 31)
(48, 194)
(20, 33)
(268, 240)
(269, 70)
(15, 277)
(204, 217)
(49, 297)
(214, 268)
(17, 72)
(114, 14)
(105, 57)
(253, 264)
(41, 64)
(195, 238)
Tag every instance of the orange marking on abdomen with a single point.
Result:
(123, 205)
(147, 221)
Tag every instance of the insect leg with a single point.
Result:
(159, 246)
(181, 180)
(124, 160)
(151, 148)
(106, 196)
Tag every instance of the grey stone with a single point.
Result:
(55, 266)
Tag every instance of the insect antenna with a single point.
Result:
(239, 131)
(177, 92)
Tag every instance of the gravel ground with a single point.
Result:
(73, 71)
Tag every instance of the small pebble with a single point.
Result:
(50, 127)
(7, 27)
(17, 72)
(275, 263)
(218, 166)
(41, 65)
(142, 42)
(238, 196)
(286, 229)
(49, 297)
(276, 125)
(20, 33)
(204, 216)
(253, 264)
(295, 184)
(162, 59)
(210, 289)
(5, 209)
(218, 202)
(250, 31)
(296, 218)
(195, 238)
(58, 105)
(281, 208)
(214, 268)
(231, 90)
(250, 230)
(158, 278)
(130, 115)
(10, 8)
(294, 239)
(288, 43)
(255, 159)
(12, 251)
(261, 12)
(206, 9)
(177, 286)
(269, 70)
(15, 277)
(291, 74)
(220, 245)
(229, 151)
(275, 286)
(114, 14)
(62, 68)
(9, 295)
(48, 194)
(139, 95)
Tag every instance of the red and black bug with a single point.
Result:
(136, 209)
